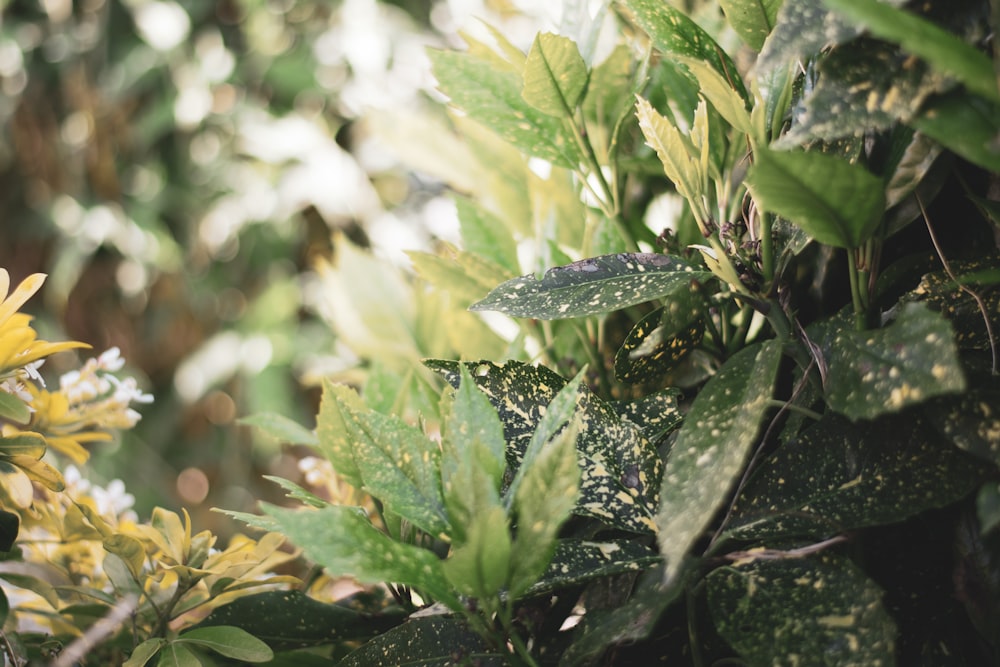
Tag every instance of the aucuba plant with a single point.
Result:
(741, 267)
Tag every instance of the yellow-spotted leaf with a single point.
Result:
(555, 76)
(710, 451)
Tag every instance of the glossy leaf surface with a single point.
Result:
(592, 286)
(429, 641)
(819, 610)
(711, 448)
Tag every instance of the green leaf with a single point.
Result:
(428, 641)
(290, 619)
(281, 428)
(971, 421)
(144, 652)
(940, 293)
(492, 97)
(591, 286)
(13, 408)
(577, 561)
(296, 492)
(967, 125)
(675, 34)
(175, 654)
(555, 76)
(545, 493)
(874, 372)
(395, 462)
(863, 86)
(463, 275)
(711, 448)
(837, 476)
(23, 444)
(655, 414)
(752, 20)
(820, 610)
(720, 93)
(229, 641)
(343, 540)
(662, 338)
(803, 29)
(620, 467)
(333, 433)
(478, 566)
(834, 201)
(943, 50)
(610, 90)
(486, 235)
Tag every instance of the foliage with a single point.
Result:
(763, 380)
(705, 380)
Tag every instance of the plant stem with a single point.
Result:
(860, 314)
(767, 247)
(775, 403)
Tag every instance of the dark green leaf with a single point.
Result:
(655, 414)
(662, 338)
(343, 540)
(875, 372)
(555, 76)
(9, 525)
(943, 50)
(281, 428)
(591, 286)
(492, 97)
(967, 125)
(620, 468)
(834, 201)
(803, 29)
(13, 408)
(752, 19)
(971, 421)
(820, 610)
(429, 641)
(229, 641)
(675, 34)
(290, 619)
(577, 561)
(939, 292)
(864, 86)
(838, 476)
(711, 448)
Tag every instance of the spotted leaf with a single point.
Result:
(591, 286)
(676, 34)
(662, 338)
(432, 641)
(655, 414)
(385, 456)
(837, 476)
(816, 610)
(939, 292)
(577, 561)
(343, 541)
(620, 467)
(971, 420)
(711, 448)
(751, 19)
(911, 360)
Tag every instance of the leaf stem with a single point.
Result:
(860, 315)
(767, 247)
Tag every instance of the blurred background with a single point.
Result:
(178, 168)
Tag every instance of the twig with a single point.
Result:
(964, 288)
(103, 628)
